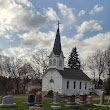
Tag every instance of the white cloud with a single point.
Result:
(91, 25)
(39, 40)
(96, 9)
(67, 13)
(78, 35)
(15, 16)
(18, 51)
(81, 13)
(24, 2)
(51, 14)
(42, 40)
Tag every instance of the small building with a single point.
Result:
(61, 79)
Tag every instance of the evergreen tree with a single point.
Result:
(73, 61)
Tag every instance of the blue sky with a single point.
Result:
(29, 25)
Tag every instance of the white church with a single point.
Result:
(60, 79)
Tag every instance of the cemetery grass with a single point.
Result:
(22, 105)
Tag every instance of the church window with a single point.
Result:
(54, 62)
(67, 84)
(60, 63)
(74, 84)
(50, 62)
(51, 81)
(80, 85)
(85, 85)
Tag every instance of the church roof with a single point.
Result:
(73, 74)
(69, 73)
(57, 44)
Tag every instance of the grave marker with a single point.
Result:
(71, 102)
(8, 101)
(56, 102)
(102, 97)
(31, 100)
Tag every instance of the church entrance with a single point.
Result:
(51, 85)
(50, 93)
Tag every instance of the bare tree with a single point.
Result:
(12, 67)
(26, 72)
(96, 64)
(40, 62)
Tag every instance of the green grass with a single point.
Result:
(21, 105)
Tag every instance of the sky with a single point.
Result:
(27, 26)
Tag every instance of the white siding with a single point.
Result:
(77, 89)
(56, 86)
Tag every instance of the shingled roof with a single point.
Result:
(57, 44)
(69, 73)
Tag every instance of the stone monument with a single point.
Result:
(83, 100)
(31, 100)
(89, 100)
(7, 101)
(56, 102)
(71, 102)
(102, 97)
(38, 99)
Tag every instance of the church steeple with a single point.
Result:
(56, 58)
(57, 44)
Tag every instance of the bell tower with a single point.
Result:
(56, 58)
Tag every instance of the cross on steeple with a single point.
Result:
(58, 24)
(57, 44)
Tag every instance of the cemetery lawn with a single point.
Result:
(22, 105)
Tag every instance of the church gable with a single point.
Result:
(52, 80)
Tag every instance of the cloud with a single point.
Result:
(42, 40)
(67, 14)
(51, 14)
(16, 16)
(81, 13)
(91, 25)
(39, 40)
(24, 2)
(97, 42)
(96, 9)
(78, 35)
(18, 51)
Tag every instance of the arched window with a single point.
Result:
(60, 63)
(80, 85)
(50, 62)
(85, 85)
(74, 84)
(51, 81)
(67, 84)
(54, 62)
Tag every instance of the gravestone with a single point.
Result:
(7, 101)
(56, 102)
(31, 100)
(71, 101)
(38, 99)
(83, 100)
(109, 101)
(89, 100)
(102, 97)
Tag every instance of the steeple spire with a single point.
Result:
(57, 44)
